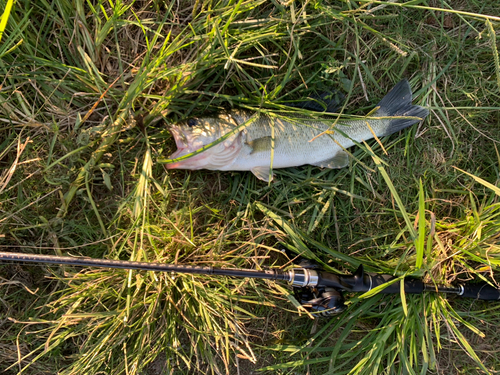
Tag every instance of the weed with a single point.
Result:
(88, 91)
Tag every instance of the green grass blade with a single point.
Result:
(394, 192)
(420, 241)
(5, 16)
(90, 88)
(494, 49)
(485, 183)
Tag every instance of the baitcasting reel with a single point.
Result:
(321, 292)
(320, 301)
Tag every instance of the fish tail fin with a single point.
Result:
(398, 103)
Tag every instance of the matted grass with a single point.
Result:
(87, 93)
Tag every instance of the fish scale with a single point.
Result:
(270, 142)
(315, 145)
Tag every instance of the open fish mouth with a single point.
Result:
(179, 137)
(183, 148)
(192, 162)
(191, 140)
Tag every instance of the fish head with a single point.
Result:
(195, 133)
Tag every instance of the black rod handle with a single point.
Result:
(480, 291)
(411, 285)
(362, 282)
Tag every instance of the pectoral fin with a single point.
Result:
(340, 160)
(262, 173)
(260, 144)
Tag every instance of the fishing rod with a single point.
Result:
(318, 291)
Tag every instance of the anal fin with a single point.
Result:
(262, 173)
(340, 160)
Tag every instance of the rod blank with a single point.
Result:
(144, 266)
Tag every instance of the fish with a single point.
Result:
(241, 140)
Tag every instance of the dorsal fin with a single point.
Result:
(324, 102)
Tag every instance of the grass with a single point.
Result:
(87, 92)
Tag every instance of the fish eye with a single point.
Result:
(191, 122)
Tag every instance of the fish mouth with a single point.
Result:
(192, 162)
(173, 165)
(180, 142)
(182, 150)
(179, 137)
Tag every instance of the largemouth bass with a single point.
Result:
(247, 141)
